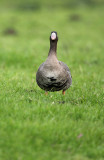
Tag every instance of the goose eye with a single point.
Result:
(53, 36)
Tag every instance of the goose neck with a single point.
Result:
(53, 48)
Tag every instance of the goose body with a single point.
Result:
(53, 75)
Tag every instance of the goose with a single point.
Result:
(53, 75)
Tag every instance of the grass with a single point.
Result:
(53, 127)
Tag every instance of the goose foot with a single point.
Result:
(46, 93)
(63, 92)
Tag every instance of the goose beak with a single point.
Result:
(53, 36)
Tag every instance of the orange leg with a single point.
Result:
(46, 93)
(63, 92)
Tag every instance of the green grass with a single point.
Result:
(53, 127)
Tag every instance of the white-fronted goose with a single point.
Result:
(53, 75)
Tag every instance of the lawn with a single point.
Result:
(34, 126)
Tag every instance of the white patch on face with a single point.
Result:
(53, 36)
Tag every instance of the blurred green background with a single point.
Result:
(27, 25)
(35, 4)
(35, 126)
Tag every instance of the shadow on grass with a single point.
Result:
(10, 31)
(75, 17)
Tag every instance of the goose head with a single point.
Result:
(53, 36)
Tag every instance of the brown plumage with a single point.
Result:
(53, 75)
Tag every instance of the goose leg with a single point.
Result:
(46, 93)
(63, 92)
